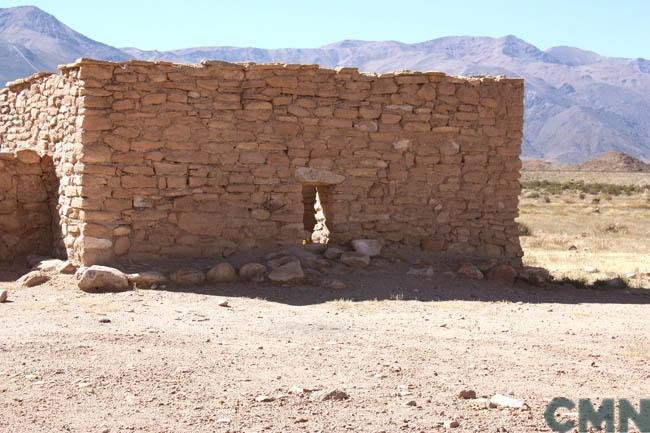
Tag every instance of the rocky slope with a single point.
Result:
(32, 40)
(609, 161)
(614, 161)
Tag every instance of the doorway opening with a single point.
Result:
(314, 199)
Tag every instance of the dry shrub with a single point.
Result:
(612, 228)
(548, 242)
(524, 229)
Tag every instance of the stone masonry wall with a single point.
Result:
(41, 113)
(193, 161)
(165, 160)
(25, 213)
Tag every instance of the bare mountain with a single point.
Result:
(32, 40)
(613, 161)
(607, 162)
(578, 104)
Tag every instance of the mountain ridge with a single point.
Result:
(613, 161)
(579, 104)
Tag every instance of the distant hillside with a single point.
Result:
(32, 41)
(578, 104)
(614, 161)
(540, 165)
(610, 161)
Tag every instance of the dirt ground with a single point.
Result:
(400, 346)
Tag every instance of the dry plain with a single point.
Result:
(588, 226)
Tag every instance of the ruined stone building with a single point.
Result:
(142, 160)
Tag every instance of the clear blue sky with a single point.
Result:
(610, 27)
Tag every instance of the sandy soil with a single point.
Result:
(401, 347)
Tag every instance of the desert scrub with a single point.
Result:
(555, 188)
(612, 228)
(577, 282)
(524, 229)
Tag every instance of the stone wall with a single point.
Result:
(41, 112)
(168, 160)
(25, 212)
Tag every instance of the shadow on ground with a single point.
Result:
(385, 280)
(368, 285)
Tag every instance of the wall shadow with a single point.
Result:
(52, 182)
(377, 285)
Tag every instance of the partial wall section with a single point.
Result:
(200, 161)
(42, 113)
(26, 222)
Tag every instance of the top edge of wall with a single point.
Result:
(23, 82)
(298, 67)
(12, 85)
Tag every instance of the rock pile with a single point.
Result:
(288, 266)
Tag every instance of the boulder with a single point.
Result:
(333, 284)
(425, 272)
(505, 273)
(188, 276)
(355, 260)
(368, 247)
(101, 278)
(302, 253)
(318, 263)
(333, 394)
(534, 275)
(500, 400)
(67, 267)
(281, 261)
(461, 249)
(451, 423)
(333, 252)
(49, 266)
(486, 265)
(314, 262)
(147, 279)
(55, 266)
(264, 398)
(4, 295)
(315, 247)
(223, 272)
(616, 283)
(33, 278)
(468, 270)
(287, 273)
(252, 272)
(467, 394)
